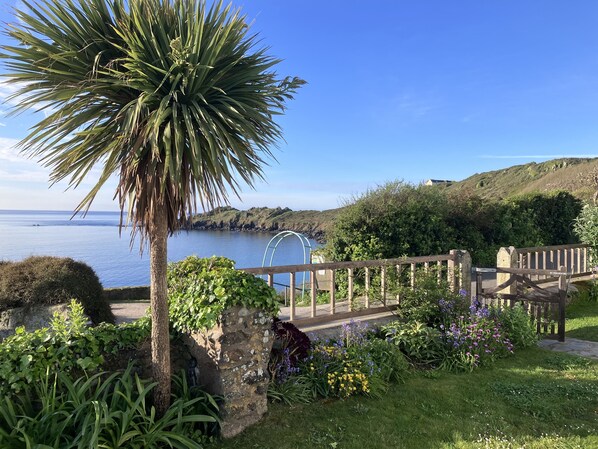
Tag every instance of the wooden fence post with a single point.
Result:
(562, 301)
(460, 270)
(507, 258)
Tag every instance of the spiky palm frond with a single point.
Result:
(172, 96)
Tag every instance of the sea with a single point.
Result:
(118, 262)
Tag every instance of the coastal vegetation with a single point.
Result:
(312, 223)
(175, 98)
(44, 280)
(400, 219)
(535, 189)
(586, 228)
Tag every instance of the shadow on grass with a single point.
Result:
(589, 333)
(534, 399)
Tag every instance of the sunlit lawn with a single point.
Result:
(534, 399)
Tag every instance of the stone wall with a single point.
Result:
(232, 359)
(34, 317)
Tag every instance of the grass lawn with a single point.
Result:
(534, 399)
(582, 315)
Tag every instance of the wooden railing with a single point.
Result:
(573, 257)
(367, 286)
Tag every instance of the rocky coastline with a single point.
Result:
(312, 224)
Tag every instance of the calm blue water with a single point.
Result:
(95, 240)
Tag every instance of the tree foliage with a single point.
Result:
(400, 219)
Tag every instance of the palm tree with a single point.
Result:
(171, 96)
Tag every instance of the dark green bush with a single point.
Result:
(199, 290)
(432, 302)
(560, 207)
(586, 227)
(394, 220)
(399, 219)
(44, 280)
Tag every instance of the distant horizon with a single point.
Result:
(247, 207)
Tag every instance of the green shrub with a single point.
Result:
(432, 302)
(517, 326)
(98, 411)
(394, 220)
(399, 219)
(422, 344)
(562, 208)
(199, 290)
(52, 280)
(389, 362)
(68, 345)
(586, 228)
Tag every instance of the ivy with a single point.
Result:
(199, 290)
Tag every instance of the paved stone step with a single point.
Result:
(574, 346)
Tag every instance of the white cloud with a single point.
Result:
(8, 150)
(28, 176)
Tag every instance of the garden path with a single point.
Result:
(574, 346)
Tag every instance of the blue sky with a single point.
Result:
(397, 90)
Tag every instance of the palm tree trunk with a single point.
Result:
(158, 236)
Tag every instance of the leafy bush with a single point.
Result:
(67, 346)
(562, 208)
(199, 290)
(388, 359)
(52, 280)
(399, 219)
(422, 344)
(394, 220)
(99, 411)
(517, 326)
(586, 228)
(432, 302)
